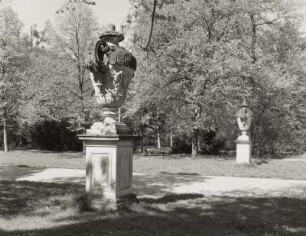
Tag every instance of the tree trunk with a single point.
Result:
(119, 114)
(141, 144)
(171, 138)
(199, 144)
(158, 141)
(254, 38)
(195, 147)
(5, 143)
(83, 148)
(171, 132)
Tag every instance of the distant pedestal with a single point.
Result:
(243, 150)
(109, 169)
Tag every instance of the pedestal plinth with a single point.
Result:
(109, 168)
(243, 151)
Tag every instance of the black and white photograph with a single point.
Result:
(153, 117)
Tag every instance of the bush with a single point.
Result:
(55, 136)
(209, 142)
(181, 144)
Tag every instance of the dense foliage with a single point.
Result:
(51, 85)
(204, 57)
(195, 65)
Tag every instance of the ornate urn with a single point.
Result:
(109, 143)
(111, 69)
(244, 118)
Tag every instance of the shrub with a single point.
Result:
(55, 136)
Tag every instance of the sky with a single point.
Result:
(303, 11)
(38, 11)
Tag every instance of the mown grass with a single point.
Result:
(210, 166)
(49, 209)
(37, 158)
(29, 208)
(216, 166)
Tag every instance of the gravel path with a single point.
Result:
(156, 185)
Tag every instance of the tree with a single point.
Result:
(275, 69)
(72, 36)
(204, 57)
(12, 63)
(45, 95)
(147, 120)
(56, 91)
(192, 73)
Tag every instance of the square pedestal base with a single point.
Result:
(243, 152)
(109, 169)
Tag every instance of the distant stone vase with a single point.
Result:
(243, 142)
(244, 119)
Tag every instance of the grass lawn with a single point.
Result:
(294, 168)
(28, 208)
(34, 209)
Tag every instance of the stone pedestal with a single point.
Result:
(243, 151)
(109, 169)
(108, 143)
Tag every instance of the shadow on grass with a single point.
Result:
(170, 214)
(164, 182)
(22, 197)
(15, 172)
(171, 198)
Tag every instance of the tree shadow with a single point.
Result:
(24, 198)
(15, 172)
(36, 174)
(169, 214)
(163, 183)
(171, 198)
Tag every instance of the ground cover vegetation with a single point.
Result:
(293, 168)
(37, 208)
(195, 65)
(182, 214)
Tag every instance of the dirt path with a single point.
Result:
(157, 185)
